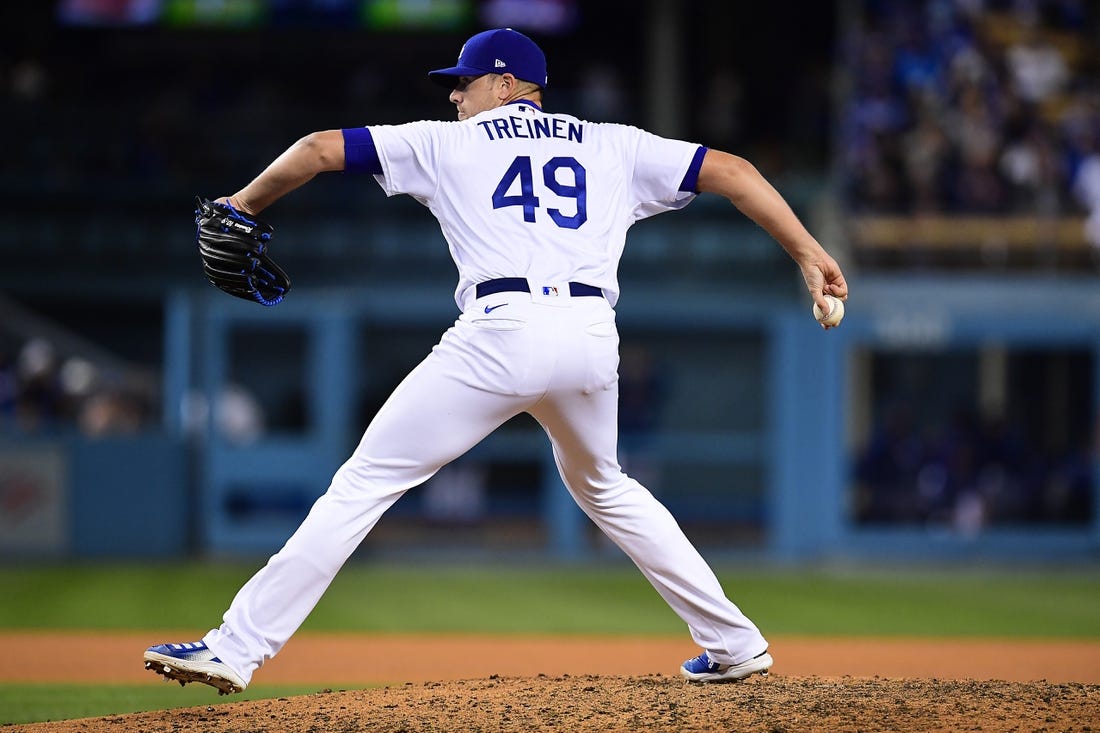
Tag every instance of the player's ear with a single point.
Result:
(507, 84)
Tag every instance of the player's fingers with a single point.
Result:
(835, 284)
(840, 290)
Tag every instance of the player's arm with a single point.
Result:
(315, 153)
(739, 181)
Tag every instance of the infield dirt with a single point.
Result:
(596, 684)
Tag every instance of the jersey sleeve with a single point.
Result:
(665, 171)
(409, 158)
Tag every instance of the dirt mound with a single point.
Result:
(649, 703)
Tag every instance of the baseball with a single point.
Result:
(835, 314)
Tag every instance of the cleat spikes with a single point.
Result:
(182, 666)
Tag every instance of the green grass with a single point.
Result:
(1025, 604)
(39, 703)
(607, 599)
(513, 599)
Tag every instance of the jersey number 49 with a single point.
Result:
(522, 169)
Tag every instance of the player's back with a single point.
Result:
(530, 193)
(522, 192)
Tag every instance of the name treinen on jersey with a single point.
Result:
(509, 128)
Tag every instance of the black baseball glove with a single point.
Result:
(233, 248)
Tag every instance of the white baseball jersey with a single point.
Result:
(519, 194)
(522, 193)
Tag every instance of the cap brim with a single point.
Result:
(449, 77)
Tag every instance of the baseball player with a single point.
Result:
(534, 207)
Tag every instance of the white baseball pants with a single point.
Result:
(554, 357)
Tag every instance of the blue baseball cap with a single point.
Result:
(496, 52)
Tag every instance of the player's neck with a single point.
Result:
(534, 98)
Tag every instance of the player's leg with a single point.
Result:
(433, 417)
(582, 427)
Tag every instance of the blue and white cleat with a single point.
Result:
(193, 662)
(702, 669)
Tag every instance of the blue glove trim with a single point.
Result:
(259, 298)
(238, 215)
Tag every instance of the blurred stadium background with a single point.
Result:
(947, 151)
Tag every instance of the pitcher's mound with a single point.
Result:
(654, 703)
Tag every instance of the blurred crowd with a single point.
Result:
(978, 106)
(44, 394)
(969, 474)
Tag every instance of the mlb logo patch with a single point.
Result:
(549, 290)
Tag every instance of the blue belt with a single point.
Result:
(520, 285)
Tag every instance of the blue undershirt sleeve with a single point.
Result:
(691, 178)
(360, 155)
